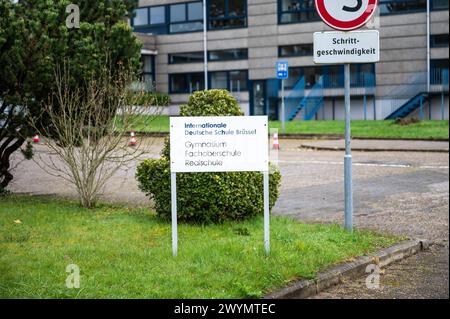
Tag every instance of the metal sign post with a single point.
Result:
(282, 74)
(347, 47)
(173, 189)
(266, 213)
(283, 107)
(348, 154)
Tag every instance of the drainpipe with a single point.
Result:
(205, 45)
(428, 48)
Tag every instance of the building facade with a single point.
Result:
(245, 38)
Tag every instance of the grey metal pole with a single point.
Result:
(283, 107)
(348, 155)
(428, 48)
(266, 213)
(173, 186)
(205, 45)
(365, 107)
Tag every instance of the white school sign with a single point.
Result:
(219, 144)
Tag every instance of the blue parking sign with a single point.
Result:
(282, 70)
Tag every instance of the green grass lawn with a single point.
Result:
(126, 252)
(372, 129)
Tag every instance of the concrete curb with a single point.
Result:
(433, 139)
(359, 149)
(294, 136)
(306, 288)
(280, 135)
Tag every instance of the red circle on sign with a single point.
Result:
(346, 25)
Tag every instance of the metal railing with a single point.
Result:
(439, 80)
(357, 80)
(401, 94)
(313, 102)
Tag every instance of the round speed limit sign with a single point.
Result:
(346, 15)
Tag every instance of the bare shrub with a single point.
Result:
(88, 128)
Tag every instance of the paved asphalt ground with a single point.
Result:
(404, 193)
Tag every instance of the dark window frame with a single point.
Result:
(227, 17)
(170, 56)
(245, 57)
(187, 20)
(281, 13)
(325, 71)
(149, 25)
(148, 18)
(153, 65)
(437, 9)
(188, 76)
(438, 79)
(165, 27)
(280, 48)
(228, 72)
(419, 10)
(433, 38)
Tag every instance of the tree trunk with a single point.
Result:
(6, 150)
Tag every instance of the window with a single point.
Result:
(149, 16)
(140, 17)
(439, 72)
(294, 11)
(233, 81)
(295, 74)
(186, 57)
(402, 6)
(312, 75)
(335, 76)
(439, 40)
(175, 18)
(186, 17)
(186, 82)
(295, 50)
(439, 4)
(148, 74)
(226, 55)
(362, 75)
(195, 11)
(224, 14)
(238, 81)
(219, 80)
(158, 15)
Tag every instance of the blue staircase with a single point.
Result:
(308, 105)
(294, 98)
(409, 106)
(312, 107)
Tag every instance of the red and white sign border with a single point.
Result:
(345, 25)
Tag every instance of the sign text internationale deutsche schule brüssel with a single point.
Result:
(219, 144)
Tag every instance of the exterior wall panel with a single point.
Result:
(403, 51)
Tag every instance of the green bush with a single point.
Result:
(206, 197)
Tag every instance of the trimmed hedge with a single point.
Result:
(206, 197)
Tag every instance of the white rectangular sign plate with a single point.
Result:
(347, 47)
(219, 144)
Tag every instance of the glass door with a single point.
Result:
(258, 106)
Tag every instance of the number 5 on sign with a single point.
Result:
(346, 15)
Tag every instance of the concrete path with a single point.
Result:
(378, 145)
(404, 193)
